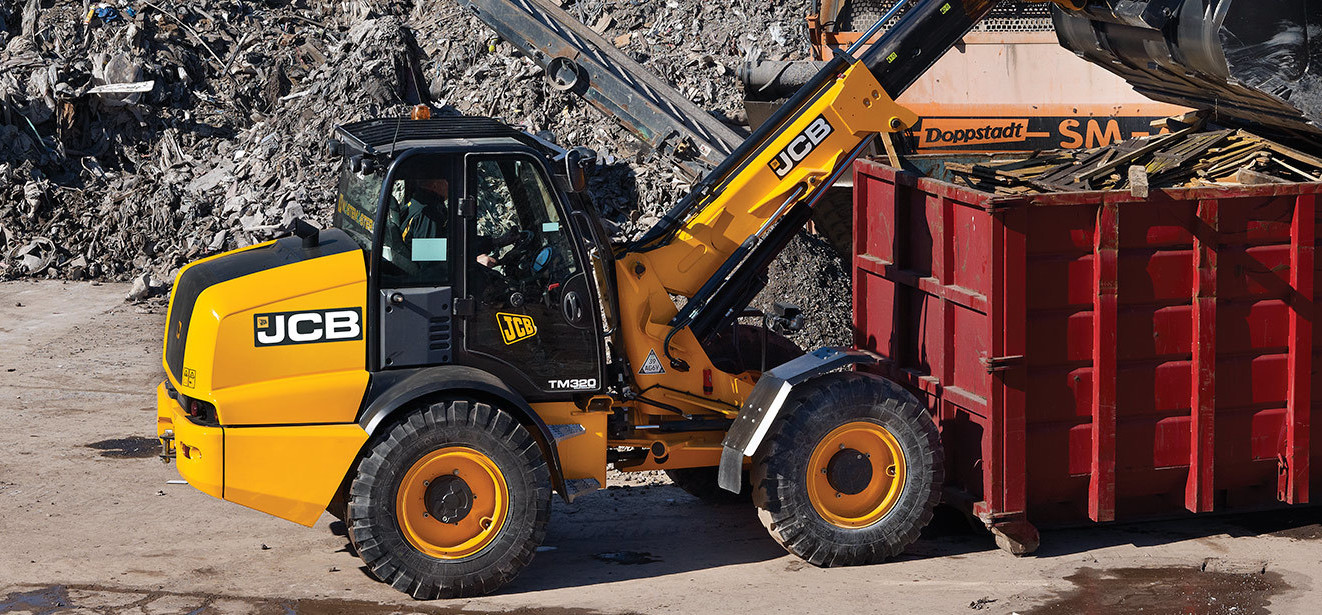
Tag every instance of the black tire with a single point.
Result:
(735, 351)
(701, 483)
(739, 349)
(374, 525)
(780, 471)
(833, 220)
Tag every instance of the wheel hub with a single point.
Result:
(449, 499)
(855, 474)
(849, 471)
(452, 502)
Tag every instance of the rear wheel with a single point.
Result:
(450, 502)
(852, 472)
(833, 220)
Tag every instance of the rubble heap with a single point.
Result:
(140, 135)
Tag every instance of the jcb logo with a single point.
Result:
(801, 146)
(515, 327)
(281, 328)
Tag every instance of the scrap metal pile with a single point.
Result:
(1191, 156)
(140, 135)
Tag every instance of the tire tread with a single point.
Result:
(374, 532)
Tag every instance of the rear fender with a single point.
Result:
(395, 391)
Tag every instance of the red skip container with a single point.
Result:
(1096, 355)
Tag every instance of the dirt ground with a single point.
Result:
(89, 523)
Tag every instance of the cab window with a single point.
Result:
(519, 231)
(415, 244)
(355, 208)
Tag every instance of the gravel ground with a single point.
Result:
(90, 525)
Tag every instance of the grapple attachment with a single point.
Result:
(1254, 63)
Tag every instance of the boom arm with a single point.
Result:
(714, 246)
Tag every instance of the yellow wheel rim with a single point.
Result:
(855, 474)
(467, 528)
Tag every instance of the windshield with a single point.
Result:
(355, 209)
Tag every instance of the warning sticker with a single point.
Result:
(652, 366)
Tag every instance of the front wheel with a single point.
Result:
(851, 473)
(450, 502)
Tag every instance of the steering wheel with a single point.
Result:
(519, 241)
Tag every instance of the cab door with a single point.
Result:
(417, 271)
(534, 319)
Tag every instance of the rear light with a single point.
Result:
(197, 410)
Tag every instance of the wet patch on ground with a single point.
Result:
(1176, 590)
(135, 447)
(114, 601)
(38, 601)
(627, 558)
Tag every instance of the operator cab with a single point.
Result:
(478, 254)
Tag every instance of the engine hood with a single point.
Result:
(247, 326)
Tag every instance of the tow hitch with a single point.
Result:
(167, 446)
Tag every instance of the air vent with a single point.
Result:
(440, 338)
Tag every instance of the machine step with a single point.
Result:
(560, 433)
(575, 487)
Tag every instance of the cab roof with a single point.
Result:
(390, 135)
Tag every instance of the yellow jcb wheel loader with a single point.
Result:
(465, 341)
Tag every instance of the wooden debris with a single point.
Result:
(1190, 156)
(1138, 181)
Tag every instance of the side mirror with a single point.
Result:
(362, 165)
(579, 163)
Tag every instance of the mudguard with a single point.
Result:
(763, 405)
(394, 390)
